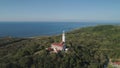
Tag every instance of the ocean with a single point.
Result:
(31, 29)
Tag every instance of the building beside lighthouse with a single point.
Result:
(59, 46)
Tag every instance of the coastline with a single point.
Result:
(55, 32)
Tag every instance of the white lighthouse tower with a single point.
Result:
(63, 37)
(63, 40)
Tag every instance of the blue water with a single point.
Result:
(29, 29)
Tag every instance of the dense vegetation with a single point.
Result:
(88, 48)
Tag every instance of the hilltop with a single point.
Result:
(89, 47)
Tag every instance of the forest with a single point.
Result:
(89, 47)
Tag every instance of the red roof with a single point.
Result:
(58, 44)
(118, 63)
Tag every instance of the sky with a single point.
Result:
(60, 10)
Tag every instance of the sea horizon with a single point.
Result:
(32, 29)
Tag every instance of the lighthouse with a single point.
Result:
(63, 37)
(59, 46)
(63, 40)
